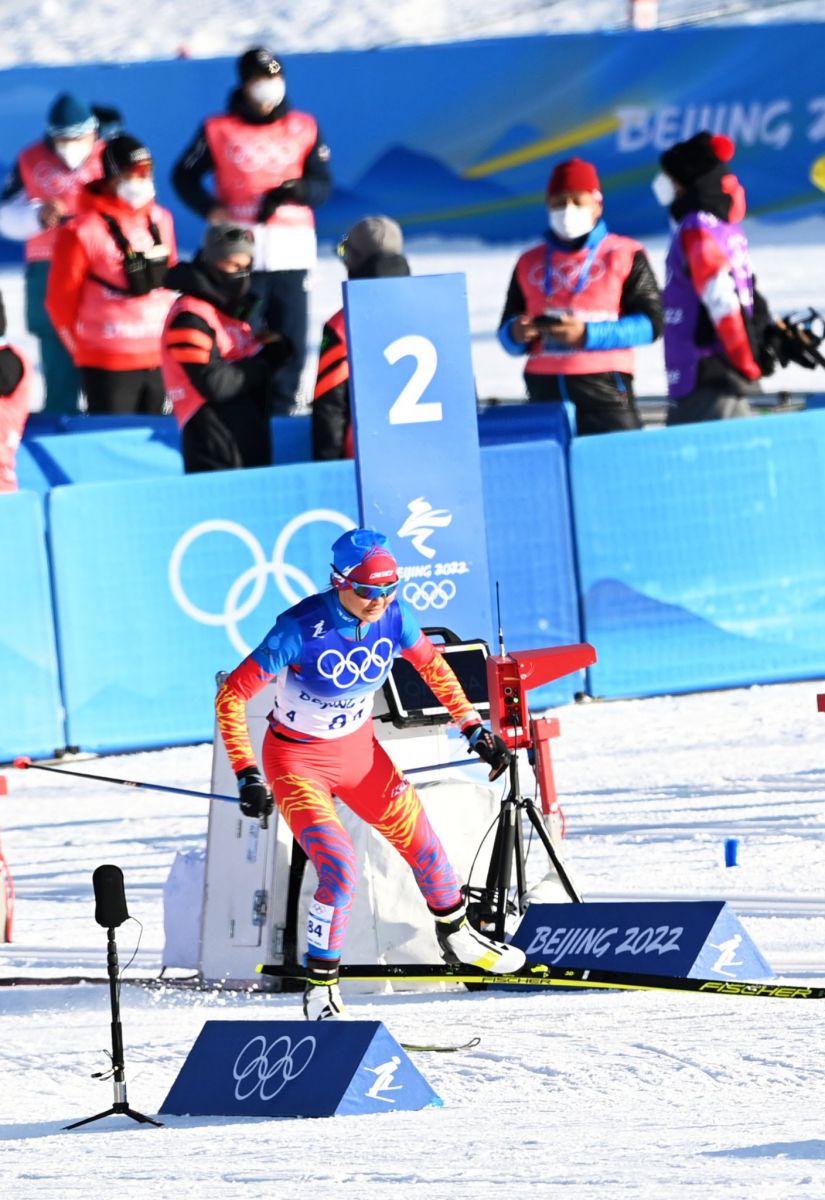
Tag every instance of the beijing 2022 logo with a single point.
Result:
(243, 594)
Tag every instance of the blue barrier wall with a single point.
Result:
(702, 555)
(31, 716)
(468, 152)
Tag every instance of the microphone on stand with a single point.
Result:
(110, 898)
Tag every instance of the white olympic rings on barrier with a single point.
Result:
(362, 664)
(429, 593)
(287, 577)
(267, 1069)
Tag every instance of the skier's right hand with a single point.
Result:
(256, 798)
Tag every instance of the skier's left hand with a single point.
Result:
(489, 747)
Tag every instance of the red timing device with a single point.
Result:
(511, 676)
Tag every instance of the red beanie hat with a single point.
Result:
(574, 175)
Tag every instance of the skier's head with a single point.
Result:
(262, 79)
(72, 129)
(128, 170)
(574, 199)
(374, 248)
(364, 572)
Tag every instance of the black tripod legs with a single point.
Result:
(116, 1109)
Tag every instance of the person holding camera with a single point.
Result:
(106, 293)
(327, 656)
(216, 369)
(577, 305)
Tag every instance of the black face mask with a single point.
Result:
(232, 285)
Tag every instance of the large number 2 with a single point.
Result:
(406, 410)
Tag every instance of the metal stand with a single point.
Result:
(488, 906)
(120, 1104)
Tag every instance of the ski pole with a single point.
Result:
(25, 764)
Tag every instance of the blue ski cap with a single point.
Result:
(363, 556)
(70, 117)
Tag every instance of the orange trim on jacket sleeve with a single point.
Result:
(442, 680)
(230, 709)
(188, 354)
(331, 380)
(189, 337)
(329, 357)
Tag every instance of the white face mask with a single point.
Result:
(136, 192)
(74, 152)
(663, 189)
(267, 92)
(571, 222)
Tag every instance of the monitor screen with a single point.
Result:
(410, 701)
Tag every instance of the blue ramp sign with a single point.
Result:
(416, 438)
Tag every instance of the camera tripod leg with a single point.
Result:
(115, 1110)
(544, 837)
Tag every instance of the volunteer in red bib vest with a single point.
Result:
(270, 168)
(15, 397)
(577, 305)
(373, 249)
(40, 194)
(106, 293)
(216, 371)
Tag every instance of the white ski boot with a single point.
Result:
(460, 943)
(322, 995)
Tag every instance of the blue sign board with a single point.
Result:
(701, 939)
(416, 435)
(297, 1069)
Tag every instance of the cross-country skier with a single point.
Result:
(328, 655)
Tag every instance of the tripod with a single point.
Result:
(489, 905)
(120, 1103)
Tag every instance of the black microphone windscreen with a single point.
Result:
(110, 899)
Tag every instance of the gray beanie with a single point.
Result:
(226, 238)
(373, 235)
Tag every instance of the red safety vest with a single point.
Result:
(45, 177)
(584, 284)
(234, 339)
(14, 412)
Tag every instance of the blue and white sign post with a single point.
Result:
(416, 437)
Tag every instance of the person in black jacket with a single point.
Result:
(216, 370)
(577, 305)
(373, 249)
(271, 171)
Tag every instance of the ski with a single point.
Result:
(540, 975)
(439, 1047)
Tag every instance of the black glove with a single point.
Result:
(291, 191)
(277, 349)
(256, 798)
(489, 747)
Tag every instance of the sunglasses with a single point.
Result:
(366, 591)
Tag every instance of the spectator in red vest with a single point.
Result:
(270, 168)
(15, 395)
(577, 305)
(106, 293)
(40, 194)
(216, 371)
(373, 249)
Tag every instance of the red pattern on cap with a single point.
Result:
(378, 569)
(574, 175)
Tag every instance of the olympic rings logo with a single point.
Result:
(294, 583)
(431, 593)
(362, 664)
(267, 1069)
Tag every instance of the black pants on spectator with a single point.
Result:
(605, 403)
(285, 309)
(226, 437)
(123, 392)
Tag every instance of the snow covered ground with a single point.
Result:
(584, 1094)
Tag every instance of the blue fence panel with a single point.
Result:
(32, 469)
(158, 588)
(701, 554)
(112, 456)
(31, 719)
(530, 548)
(526, 423)
(292, 439)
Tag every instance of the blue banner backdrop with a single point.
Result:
(470, 151)
(31, 716)
(701, 554)
(416, 433)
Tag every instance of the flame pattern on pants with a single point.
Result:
(356, 768)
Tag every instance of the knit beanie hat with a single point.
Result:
(373, 235)
(690, 160)
(363, 556)
(70, 117)
(225, 238)
(122, 155)
(258, 63)
(574, 175)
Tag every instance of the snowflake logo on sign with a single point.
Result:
(422, 523)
